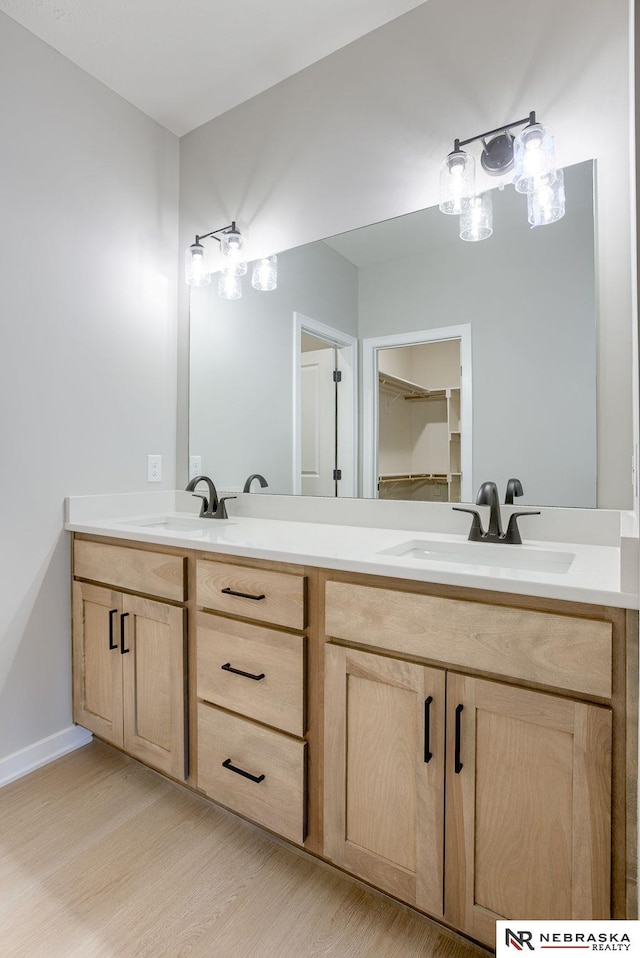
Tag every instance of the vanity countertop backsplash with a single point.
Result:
(579, 555)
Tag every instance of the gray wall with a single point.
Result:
(241, 402)
(359, 137)
(88, 258)
(529, 296)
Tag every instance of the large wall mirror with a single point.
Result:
(456, 362)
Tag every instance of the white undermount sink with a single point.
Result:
(187, 525)
(494, 555)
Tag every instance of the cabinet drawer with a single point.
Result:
(278, 799)
(272, 690)
(558, 650)
(275, 597)
(136, 570)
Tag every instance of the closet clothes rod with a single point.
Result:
(416, 477)
(428, 397)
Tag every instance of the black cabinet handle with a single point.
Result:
(228, 668)
(243, 595)
(458, 766)
(241, 771)
(428, 755)
(123, 651)
(112, 645)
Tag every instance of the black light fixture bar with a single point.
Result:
(222, 229)
(528, 120)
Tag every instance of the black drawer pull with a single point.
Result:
(243, 595)
(241, 771)
(112, 645)
(123, 651)
(458, 764)
(428, 754)
(228, 668)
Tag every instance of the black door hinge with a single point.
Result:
(337, 473)
(337, 376)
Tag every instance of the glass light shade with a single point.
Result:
(196, 272)
(547, 204)
(229, 286)
(232, 250)
(457, 182)
(534, 155)
(476, 223)
(265, 274)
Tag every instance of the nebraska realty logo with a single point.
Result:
(566, 937)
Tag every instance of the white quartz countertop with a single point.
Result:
(593, 575)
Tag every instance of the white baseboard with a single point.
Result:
(42, 752)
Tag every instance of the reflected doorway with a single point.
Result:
(418, 415)
(419, 422)
(319, 418)
(325, 410)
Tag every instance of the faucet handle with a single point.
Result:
(512, 535)
(221, 511)
(475, 533)
(205, 502)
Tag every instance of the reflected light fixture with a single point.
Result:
(546, 203)
(234, 264)
(265, 274)
(530, 154)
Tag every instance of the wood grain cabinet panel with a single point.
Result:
(136, 570)
(252, 670)
(97, 664)
(278, 598)
(384, 773)
(253, 770)
(129, 673)
(525, 829)
(528, 807)
(154, 670)
(557, 650)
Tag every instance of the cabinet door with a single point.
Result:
(153, 665)
(528, 807)
(97, 669)
(384, 773)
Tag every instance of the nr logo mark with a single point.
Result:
(518, 939)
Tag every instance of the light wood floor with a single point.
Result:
(102, 858)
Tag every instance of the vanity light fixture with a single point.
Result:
(476, 221)
(531, 154)
(234, 265)
(231, 248)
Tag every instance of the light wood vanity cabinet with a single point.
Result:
(129, 654)
(251, 685)
(470, 754)
(524, 775)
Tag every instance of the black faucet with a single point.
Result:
(488, 496)
(514, 488)
(261, 479)
(212, 507)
